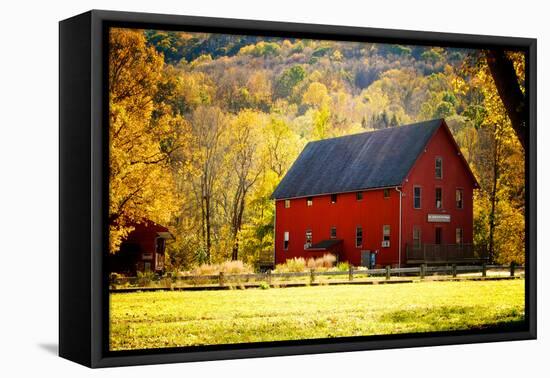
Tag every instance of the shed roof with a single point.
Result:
(325, 244)
(375, 159)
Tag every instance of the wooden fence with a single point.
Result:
(445, 254)
(352, 275)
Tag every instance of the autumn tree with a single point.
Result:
(142, 137)
(203, 127)
(507, 71)
(208, 126)
(499, 207)
(244, 165)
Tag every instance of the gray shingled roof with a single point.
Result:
(325, 244)
(368, 160)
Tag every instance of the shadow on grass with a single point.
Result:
(458, 318)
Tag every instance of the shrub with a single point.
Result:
(145, 278)
(227, 267)
(328, 260)
(264, 285)
(343, 266)
(235, 267)
(206, 270)
(116, 277)
(299, 264)
(325, 262)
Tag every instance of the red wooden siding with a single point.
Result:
(140, 243)
(371, 213)
(374, 211)
(455, 176)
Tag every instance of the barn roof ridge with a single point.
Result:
(371, 159)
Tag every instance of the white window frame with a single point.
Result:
(419, 197)
(309, 240)
(357, 229)
(461, 191)
(386, 232)
(286, 240)
(417, 230)
(459, 231)
(440, 159)
(440, 199)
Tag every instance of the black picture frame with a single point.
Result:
(83, 181)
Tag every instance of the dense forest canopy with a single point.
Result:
(204, 126)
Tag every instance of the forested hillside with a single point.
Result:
(204, 126)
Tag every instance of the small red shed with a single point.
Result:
(143, 249)
(404, 194)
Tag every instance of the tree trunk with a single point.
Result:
(493, 198)
(208, 228)
(237, 222)
(509, 90)
(235, 251)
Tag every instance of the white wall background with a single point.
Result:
(29, 189)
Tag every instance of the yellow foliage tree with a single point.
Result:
(499, 207)
(142, 136)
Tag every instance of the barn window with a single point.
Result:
(438, 167)
(147, 266)
(333, 232)
(438, 198)
(160, 245)
(286, 240)
(417, 234)
(309, 238)
(386, 193)
(287, 204)
(417, 197)
(459, 236)
(358, 236)
(310, 201)
(359, 196)
(386, 232)
(459, 199)
(333, 198)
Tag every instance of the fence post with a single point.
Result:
(312, 276)
(512, 269)
(221, 279)
(350, 272)
(388, 272)
(483, 270)
(454, 270)
(268, 277)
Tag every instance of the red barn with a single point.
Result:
(142, 250)
(402, 194)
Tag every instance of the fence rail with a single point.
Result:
(312, 276)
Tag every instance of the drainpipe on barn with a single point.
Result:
(400, 219)
(275, 236)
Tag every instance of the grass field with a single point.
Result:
(179, 318)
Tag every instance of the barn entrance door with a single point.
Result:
(365, 258)
(438, 241)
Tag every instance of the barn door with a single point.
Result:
(365, 258)
(438, 242)
(438, 236)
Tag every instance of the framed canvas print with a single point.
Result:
(233, 188)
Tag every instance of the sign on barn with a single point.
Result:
(439, 218)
